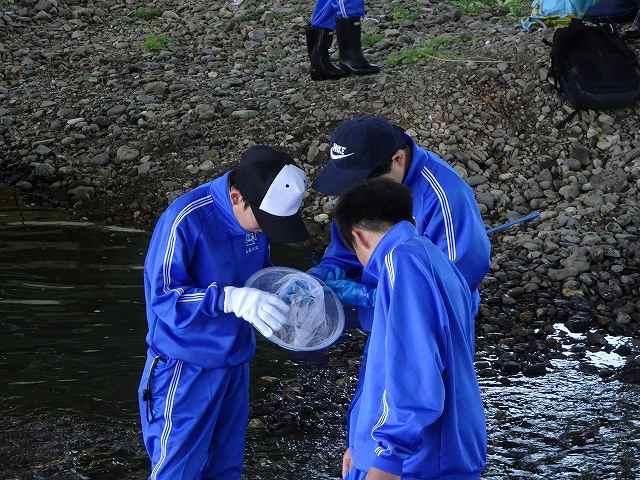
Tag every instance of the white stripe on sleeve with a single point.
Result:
(446, 212)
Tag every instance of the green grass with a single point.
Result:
(514, 8)
(370, 39)
(146, 13)
(155, 43)
(400, 13)
(7, 3)
(517, 8)
(473, 7)
(431, 47)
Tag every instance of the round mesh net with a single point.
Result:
(316, 318)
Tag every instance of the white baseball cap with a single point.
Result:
(274, 188)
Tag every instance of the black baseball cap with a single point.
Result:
(274, 188)
(358, 147)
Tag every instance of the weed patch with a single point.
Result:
(426, 49)
(155, 43)
(401, 13)
(514, 8)
(370, 39)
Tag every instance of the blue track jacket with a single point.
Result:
(418, 413)
(445, 211)
(198, 248)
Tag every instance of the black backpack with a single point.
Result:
(593, 67)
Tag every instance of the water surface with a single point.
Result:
(72, 317)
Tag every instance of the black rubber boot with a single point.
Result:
(318, 42)
(352, 60)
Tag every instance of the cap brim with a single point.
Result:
(281, 229)
(334, 180)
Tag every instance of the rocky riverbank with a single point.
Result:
(110, 110)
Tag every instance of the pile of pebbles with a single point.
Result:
(112, 111)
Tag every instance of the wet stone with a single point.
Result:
(487, 373)
(42, 150)
(578, 323)
(630, 372)
(24, 185)
(82, 192)
(43, 170)
(535, 370)
(101, 159)
(510, 368)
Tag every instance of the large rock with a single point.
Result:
(44, 170)
(575, 264)
(45, 5)
(630, 373)
(127, 154)
(569, 192)
(81, 192)
(116, 110)
(244, 114)
(42, 150)
(156, 88)
(205, 111)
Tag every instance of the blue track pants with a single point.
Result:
(194, 420)
(355, 474)
(326, 11)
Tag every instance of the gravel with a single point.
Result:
(94, 122)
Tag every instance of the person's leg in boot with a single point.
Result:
(348, 31)
(319, 35)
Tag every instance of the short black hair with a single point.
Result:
(374, 205)
(233, 184)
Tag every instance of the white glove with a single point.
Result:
(263, 310)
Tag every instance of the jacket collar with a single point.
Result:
(394, 236)
(219, 189)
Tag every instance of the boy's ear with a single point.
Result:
(400, 158)
(360, 237)
(236, 196)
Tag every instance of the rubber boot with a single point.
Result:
(352, 60)
(318, 42)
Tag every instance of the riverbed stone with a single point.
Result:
(156, 88)
(127, 154)
(244, 114)
(45, 170)
(205, 111)
(82, 192)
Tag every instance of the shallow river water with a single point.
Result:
(73, 327)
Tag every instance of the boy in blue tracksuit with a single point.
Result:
(444, 207)
(193, 395)
(418, 412)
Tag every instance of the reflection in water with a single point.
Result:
(72, 317)
(563, 425)
(72, 305)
